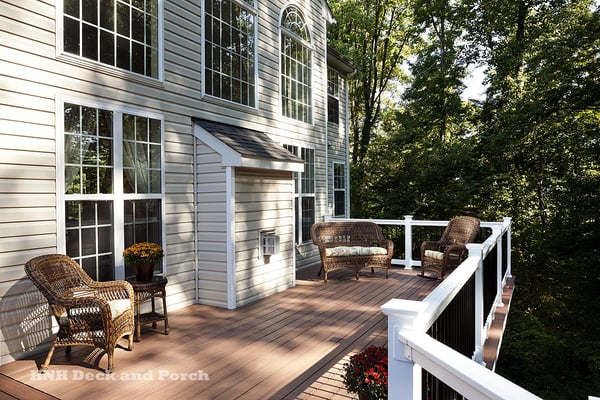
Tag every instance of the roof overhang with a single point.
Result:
(242, 147)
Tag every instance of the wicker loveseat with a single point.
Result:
(352, 245)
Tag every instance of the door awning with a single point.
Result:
(242, 147)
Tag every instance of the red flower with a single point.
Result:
(366, 373)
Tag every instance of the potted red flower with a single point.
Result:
(366, 373)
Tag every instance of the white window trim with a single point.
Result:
(104, 68)
(333, 189)
(298, 194)
(118, 217)
(310, 46)
(220, 100)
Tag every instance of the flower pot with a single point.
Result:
(144, 272)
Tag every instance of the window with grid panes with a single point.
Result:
(296, 66)
(119, 33)
(304, 188)
(339, 190)
(229, 56)
(97, 210)
(333, 96)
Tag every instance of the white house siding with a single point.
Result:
(212, 227)
(33, 80)
(27, 175)
(263, 201)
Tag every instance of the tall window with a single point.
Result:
(229, 54)
(333, 96)
(296, 66)
(119, 33)
(304, 193)
(339, 190)
(97, 209)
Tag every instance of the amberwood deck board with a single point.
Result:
(289, 345)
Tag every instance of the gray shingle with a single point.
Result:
(249, 143)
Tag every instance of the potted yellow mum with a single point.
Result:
(143, 256)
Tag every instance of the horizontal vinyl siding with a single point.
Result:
(27, 178)
(212, 228)
(263, 201)
(32, 77)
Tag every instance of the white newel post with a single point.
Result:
(507, 222)
(475, 250)
(404, 376)
(408, 241)
(499, 254)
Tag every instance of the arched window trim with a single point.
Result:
(303, 33)
(296, 102)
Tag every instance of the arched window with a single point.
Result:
(296, 66)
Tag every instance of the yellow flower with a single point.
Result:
(142, 253)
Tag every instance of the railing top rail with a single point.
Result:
(421, 222)
(471, 379)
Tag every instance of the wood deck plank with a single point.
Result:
(289, 345)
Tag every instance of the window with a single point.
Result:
(304, 193)
(296, 60)
(333, 95)
(339, 190)
(103, 217)
(119, 33)
(229, 56)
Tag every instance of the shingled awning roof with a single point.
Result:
(242, 147)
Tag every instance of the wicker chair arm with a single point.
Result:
(387, 244)
(454, 248)
(431, 245)
(113, 290)
(87, 302)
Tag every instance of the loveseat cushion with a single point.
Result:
(345, 251)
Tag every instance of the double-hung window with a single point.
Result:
(339, 190)
(112, 165)
(333, 96)
(304, 188)
(296, 66)
(229, 50)
(120, 33)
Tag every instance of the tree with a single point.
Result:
(376, 36)
(439, 70)
(530, 150)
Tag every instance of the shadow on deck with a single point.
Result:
(291, 345)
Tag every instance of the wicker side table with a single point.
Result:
(145, 291)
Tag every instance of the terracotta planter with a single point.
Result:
(144, 272)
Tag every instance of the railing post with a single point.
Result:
(404, 376)
(499, 253)
(508, 223)
(476, 250)
(408, 241)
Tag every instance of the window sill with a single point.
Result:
(108, 70)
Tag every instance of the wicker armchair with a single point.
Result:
(448, 252)
(88, 313)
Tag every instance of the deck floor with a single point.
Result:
(291, 345)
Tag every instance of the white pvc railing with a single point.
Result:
(411, 349)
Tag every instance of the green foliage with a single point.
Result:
(530, 150)
(375, 35)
